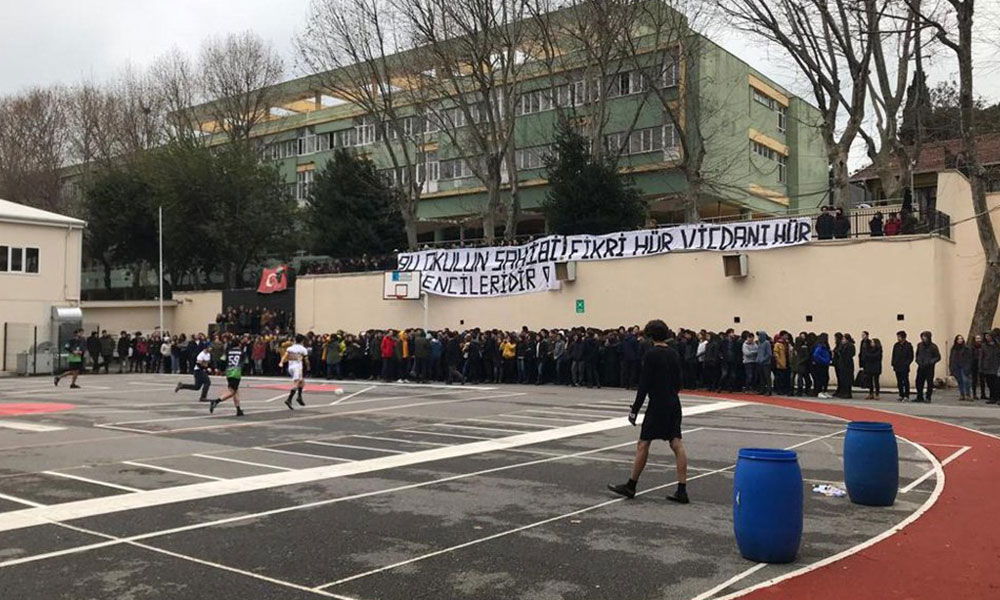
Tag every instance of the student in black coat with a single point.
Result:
(902, 358)
(824, 224)
(872, 366)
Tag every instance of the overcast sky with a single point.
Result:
(44, 42)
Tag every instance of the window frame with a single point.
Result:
(7, 261)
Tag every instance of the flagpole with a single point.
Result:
(161, 267)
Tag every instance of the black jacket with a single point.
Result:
(927, 354)
(961, 358)
(872, 360)
(902, 356)
(824, 226)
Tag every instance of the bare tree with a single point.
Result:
(954, 30)
(474, 54)
(92, 112)
(357, 51)
(898, 33)
(831, 43)
(238, 73)
(33, 147)
(177, 85)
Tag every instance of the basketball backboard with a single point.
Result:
(401, 285)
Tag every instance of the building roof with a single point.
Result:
(19, 213)
(933, 156)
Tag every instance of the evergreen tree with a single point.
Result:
(352, 211)
(587, 195)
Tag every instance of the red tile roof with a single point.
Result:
(932, 156)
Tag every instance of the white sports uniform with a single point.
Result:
(295, 353)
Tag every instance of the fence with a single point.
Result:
(21, 349)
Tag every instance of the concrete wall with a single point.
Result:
(29, 297)
(188, 312)
(850, 285)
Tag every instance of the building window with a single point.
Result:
(763, 99)
(782, 118)
(14, 259)
(304, 180)
(670, 71)
(531, 158)
(307, 144)
(364, 131)
(344, 138)
(456, 168)
(771, 154)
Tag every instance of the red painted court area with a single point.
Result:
(951, 551)
(32, 408)
(309, 387)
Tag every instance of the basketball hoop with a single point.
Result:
(401, 285)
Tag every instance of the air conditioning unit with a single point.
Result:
(735, 265)
(566, 271)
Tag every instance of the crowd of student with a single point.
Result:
(716, 361)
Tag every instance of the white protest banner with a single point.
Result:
(467, 272)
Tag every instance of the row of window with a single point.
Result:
(580, 92)
(780, 110)
(15, 259)
(367, 130)
(771, 154)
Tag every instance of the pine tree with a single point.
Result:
(587, 195)
(351, 211)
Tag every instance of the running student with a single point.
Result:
(234, 371)
(661, 380)
(75, 359)
(294, 356)
(201, 379)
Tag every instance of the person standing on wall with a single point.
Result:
(927, 356)
(871, 363)
(902, 357)
(660, 379)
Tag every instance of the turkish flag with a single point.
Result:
(273, 280)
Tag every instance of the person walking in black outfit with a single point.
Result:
(927, 356)
(902, 356)
(844, 366)
(661, 381)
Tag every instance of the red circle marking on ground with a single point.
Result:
(32, 408)
(951, 551)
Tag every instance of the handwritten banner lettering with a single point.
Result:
(506, 270)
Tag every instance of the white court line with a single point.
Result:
(409, 396)
(349, 396)
(457, 426)
(302, 453)
(312, 380)
(496, 422)
(28, 426)
(760, 431)
(398, 441)
(94, 481)
(331, 444)
(278, 397)
(242, 462)
(738, 577)
(169, 470)
(512, 531)
(932, 471)
(20, 500)
(147, 499)
(112, 540)
(230, 425)
(574, 413)
(286, 509)
(519, 416)
(452, 435)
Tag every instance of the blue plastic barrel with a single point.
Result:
(871, 463)
(767, 504)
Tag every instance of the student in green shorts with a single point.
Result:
(234, 371)
(75, 360)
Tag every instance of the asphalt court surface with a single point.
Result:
(392, 492)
